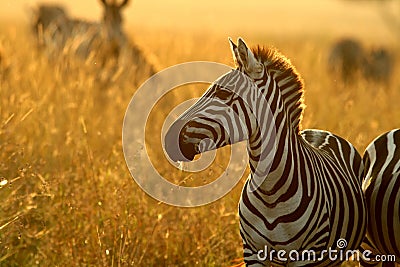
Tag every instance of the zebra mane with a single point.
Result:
(293, 99)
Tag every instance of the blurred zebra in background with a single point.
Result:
(104, 44)
(51, 28)
(381, 187)
(351, 62)
(304, 191)
(347, 59)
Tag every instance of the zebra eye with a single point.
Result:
(223, 94)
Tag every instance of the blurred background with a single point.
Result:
(360, 18)
(66, 78)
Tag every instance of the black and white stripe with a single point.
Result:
(381, 187)
(304, 191)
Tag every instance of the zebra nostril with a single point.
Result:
(176, 149)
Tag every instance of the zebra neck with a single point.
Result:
(291, 92)
(113, 34)
(276, 165)
(272, 161)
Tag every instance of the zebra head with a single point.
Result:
(227, 113)
(220, 117)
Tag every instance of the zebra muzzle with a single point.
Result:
(175, 147)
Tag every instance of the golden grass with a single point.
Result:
(66, 196)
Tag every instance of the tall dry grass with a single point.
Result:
(66, 196)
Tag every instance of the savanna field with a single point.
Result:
(66, 195)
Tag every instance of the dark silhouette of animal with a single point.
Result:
(350, 61)
(380, 66)
(103, 43)
(346, 59)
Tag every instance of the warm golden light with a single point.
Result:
(66, 195)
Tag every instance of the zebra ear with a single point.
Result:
(247, 58)
(234, 49)
(243, 50)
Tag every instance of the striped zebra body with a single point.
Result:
(305, 209)
(381, 187)
(56, 31)
(304, 190)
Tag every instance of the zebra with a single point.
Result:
(381, 187)
(304, 190)
(126, 50)
(347, 59)
(104, 43)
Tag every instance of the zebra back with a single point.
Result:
(338, 148)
